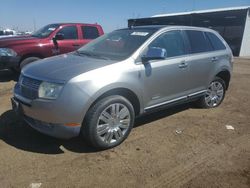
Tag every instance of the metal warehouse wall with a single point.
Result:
(230, 23)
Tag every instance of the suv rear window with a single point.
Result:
(215, 41)
(198, 41)
(89, 32)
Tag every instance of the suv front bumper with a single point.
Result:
(7, 62)
(52, 129)
(61, 118)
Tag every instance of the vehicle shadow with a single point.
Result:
(161, 113)
(15, 132)
(8, 75)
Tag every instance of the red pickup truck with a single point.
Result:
(53, 39)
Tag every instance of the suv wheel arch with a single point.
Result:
(226, 76)
(124, 92)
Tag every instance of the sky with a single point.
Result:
(111, 14)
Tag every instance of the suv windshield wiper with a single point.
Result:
(91, 55)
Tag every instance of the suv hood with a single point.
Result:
(63, 67)
(17, 40)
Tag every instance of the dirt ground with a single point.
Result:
(179, 147)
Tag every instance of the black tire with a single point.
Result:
(202, 102)
(27, 61)
(15, 70)
(92, 120)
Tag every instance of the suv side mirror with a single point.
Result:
(154, 53)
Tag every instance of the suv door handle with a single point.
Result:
(214, 59)
(183, 65)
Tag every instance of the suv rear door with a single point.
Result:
(201, 61)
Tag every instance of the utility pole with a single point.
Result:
(34, 24)
(194, 5)
(192, 15)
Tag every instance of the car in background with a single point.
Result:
(98, 90)
(7, 33)
(52, 39)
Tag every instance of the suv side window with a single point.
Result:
(89, 32)
(172, 42)
(215, 41)
(198, 41)
(69, 32)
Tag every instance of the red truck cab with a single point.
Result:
(53, 39)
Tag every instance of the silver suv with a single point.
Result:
(98, 90)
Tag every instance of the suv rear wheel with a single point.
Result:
(109, 122)
(214, 95)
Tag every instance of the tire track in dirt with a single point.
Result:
(182, 174)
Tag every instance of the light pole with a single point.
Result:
(194, 4)
(34, 24)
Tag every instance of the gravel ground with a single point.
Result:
(177, 147)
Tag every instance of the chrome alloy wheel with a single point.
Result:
(113, 123)
(214, 94)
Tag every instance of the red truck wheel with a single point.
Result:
(27, 61)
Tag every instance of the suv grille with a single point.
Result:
(29, 87)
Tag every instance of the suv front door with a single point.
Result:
(165, 80)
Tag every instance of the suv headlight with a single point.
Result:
(49, 90)
(7, 52)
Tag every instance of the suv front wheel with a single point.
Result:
(108, 122)
(214, 95)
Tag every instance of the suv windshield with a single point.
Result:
(45, 31)
(117, 45)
